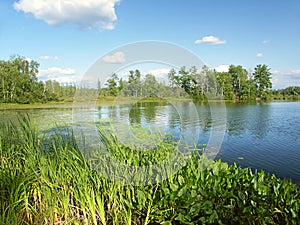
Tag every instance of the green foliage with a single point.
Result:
(48, 181)
(151, 86)
(289, 93)
(238, 79)
(134, 83)
(113, 85)
(237, 84)
(18, 80)
(225, 87)
(19, 84)
(262, 77)
(194, 83)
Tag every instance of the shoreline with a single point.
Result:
(120, 100)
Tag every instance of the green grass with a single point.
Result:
(70, 102)
(56, 185)
(36, 105)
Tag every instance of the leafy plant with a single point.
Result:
(57, 185)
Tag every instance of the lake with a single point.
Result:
(256, 135)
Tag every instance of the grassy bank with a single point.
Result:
(48, 181)
(113, 100)
(100, 101)
(48, 105)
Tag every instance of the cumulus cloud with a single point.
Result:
(259, 55)
(210, 40)
(294, 72)
(222, 68)
(85, 13)
(53, 71)
(160, 73)
(47, 57)
(118, 57)
(283, 79)
(62, 75)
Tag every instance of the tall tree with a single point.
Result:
(174, 83)
(112, 84)
(239, 79)
(134, 83)
(225, 87)
(262, 77)
(151, 86)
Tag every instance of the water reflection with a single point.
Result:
(135, 115)
(259, 125)
(245, 119)
(265, 135)
(236, 119)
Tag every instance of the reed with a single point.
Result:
(56, 185)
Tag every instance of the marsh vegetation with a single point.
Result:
(56, 185)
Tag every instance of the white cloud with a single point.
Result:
(222, 68)
(28, 59)
(266, 42)
(275, 72)
(85, 13)
(294, 72)
(62, 75)
(53, 71)
(65, 79)
(47, 57)
(210, 40)
(287, 72)
(283, 79)
(259, 55)
(160, 73)
(117, 57)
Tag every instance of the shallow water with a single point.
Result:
(259, 135)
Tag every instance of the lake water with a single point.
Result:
(259, 135)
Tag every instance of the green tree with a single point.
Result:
(19, 83)
(20, 79)
(249, 91)
(134, 83)
(174, 83)
(239, 80)
(187, 81)
(262, 78)
(151, 86)
(51, 90)
(8, 76)
(112, 84)
(224, 83)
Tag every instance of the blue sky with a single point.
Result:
(67, 36)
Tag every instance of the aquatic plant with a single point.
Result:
(57, 185)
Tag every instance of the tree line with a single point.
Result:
(19, 84)
(203, 84)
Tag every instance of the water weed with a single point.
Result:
(57, 185)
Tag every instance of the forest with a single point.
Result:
(19, 84)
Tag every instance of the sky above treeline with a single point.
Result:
(68, 36)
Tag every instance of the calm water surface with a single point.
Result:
(260, 135)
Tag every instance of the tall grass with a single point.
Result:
(56, 185)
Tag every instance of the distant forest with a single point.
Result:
(19, 84)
